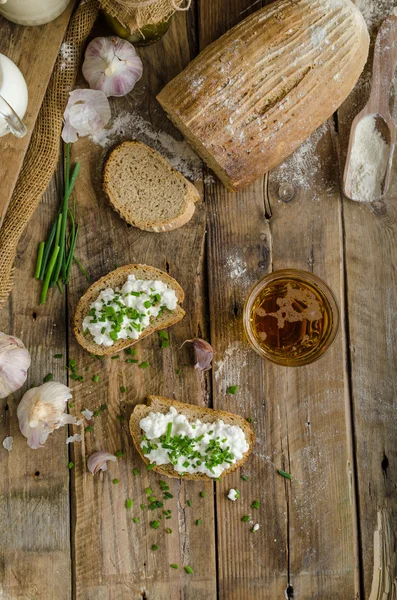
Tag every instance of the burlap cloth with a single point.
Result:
(42, 155)
(134, 14)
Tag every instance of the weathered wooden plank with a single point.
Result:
(34, 50)
(34, 487)
(307, 528)
(112, 555)
(370, 234)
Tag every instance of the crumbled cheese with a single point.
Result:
(125, 313)
(255, 527)
(7, 443)
(193, 447)
(233, 494)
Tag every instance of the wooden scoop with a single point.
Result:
(384, 65)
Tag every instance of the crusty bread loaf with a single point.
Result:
(145, 190)
(115, 279)
(255, 94)
(191, 412)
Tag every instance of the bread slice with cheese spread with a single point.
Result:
(192, 413)
(145, 190)
(116, 279)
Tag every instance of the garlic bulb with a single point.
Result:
(14, 364)
(86, 113)
(42, 410)
(112, 66)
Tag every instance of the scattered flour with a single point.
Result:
(67, 53)
(305, 162)
(178, 153)
(374, 11)
(368, 162)
(235, 360)
(236, 267)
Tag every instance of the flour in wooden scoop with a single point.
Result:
(368, 161)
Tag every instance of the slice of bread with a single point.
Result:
(145, 190)
(115, 279)
(191, 412)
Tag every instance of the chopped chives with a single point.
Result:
(144, 365)
(155, 547)
(284, 474)
(128, 503)
(179, 371)
(168, 434)
(189, 502)
(244, 477)
(198, 522)
(71, 465)
(89, 428)
(143, 506)
(150, 466)
(115, 481)
(148, 491)
(165, 343)
(95, 378)
(115, 356)
(155, 524)
(135, 519)
(151, 498)
(131, 360)
(189, 570)
(245, 518)
(71, 404)
(255, 504)
(119, 453)
(120, 417)
(168, 530)
(48, 377)
(123, 389)
(232, 389)
(168, 496)
(163, 335)
(130, 351)
(58, 355)
(174, 566)
(136, 471)
(202, 494)
(103, 407)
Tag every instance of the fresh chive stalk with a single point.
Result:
(39, 262)
(168, 434)
(284, 474)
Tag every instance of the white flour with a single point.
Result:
(178, 153)
(368, 162)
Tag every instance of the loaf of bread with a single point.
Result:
(116, 279)
(158, 404)
(254, 95)
(145, 190)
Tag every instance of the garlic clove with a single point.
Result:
(98, 461)
(14, 364)
(203, 353)
(112, 66)
(86, 113)
(42, 410)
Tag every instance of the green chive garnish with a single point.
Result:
(144, 365)
(48, 377)
(179, 371)
(130, 351)
(202, 494)
(174, 566)
(115, 481)
(284, 474)
(155, 524)
(232, 389)
(71, 465)
(136, 471)
(71, 404)
(131, 360)
(245, 518)
(119, 453)
(155, 547)
(244, 477)
(58, 355)
(168, 530)
(165, 343)
(123, 389)
(168, 434)
(189, 502)
(148, 491)
(135, 519)
(198, 522)
(89, 428)
(163, 335)
(128, 503)
(189, 570)
(143, 506)
(95, 378)
(115, 356)
(103, 407)
(168, 496)
(150, 466)
(255, 504)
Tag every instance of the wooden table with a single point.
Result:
(328, 534)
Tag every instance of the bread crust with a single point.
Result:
(115, 279)
(192, 194)
(161, 404)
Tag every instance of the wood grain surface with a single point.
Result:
(34, 51)
(329, 533)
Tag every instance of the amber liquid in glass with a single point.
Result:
(291, 319)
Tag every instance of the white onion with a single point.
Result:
(112, 66)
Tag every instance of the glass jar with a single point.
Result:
(291, 317)
(148, 34)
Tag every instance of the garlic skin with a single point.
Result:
(112, 66)
(14, 364)
(86, 113)
(98, 461)
(42, 410)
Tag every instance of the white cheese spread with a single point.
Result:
(255, 527)
(125, 313)
(233, 494)
(191, 447)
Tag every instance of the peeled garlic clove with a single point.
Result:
(86, 113)
(14, 364)
(112, 66)
(42, 410)
(98, 461)
(203, 353)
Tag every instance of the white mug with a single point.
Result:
(32, 12)
(13, 98)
